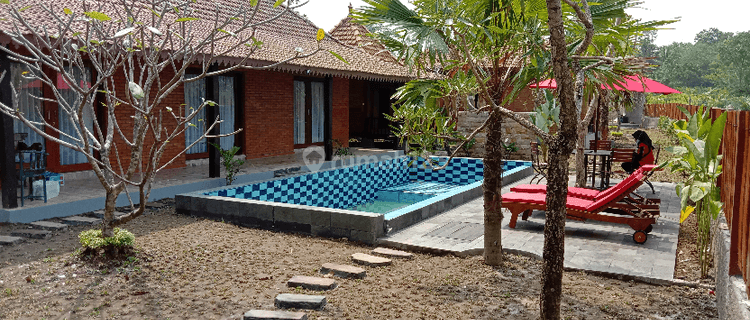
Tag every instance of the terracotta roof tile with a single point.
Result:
(355, 35)
(280, 39)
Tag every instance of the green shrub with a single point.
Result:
(340, 149)
(616, 133)
(231, 165)
(667, 128)
(510, 148)
(698, 157)
(92, 239)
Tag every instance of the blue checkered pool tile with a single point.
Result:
(346, 187)
(339, 188)
(510, 164)
(461, 171)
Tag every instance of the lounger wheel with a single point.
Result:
(649, 228)
(640, 237)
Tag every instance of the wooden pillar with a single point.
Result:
(328, 115)
(214, 157)
(7, 147)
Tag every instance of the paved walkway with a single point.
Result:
(593, 246)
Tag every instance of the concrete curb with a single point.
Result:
(479, 251)
(731, 295)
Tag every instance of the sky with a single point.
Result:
(696, 15)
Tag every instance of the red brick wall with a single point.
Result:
(341, 110)
(269, 118)
(524, 102)
(125, 121)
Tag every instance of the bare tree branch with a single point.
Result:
(130, 51)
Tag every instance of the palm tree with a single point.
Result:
(496, 48)
(474, 46)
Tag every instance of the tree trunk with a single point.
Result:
(603, 117)
(493, 183)
(554, 234)
(557, 177)
(581, 132)
(580, 163)
(109, 214)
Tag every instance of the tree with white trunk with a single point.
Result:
(139, 52)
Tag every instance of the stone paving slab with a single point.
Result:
(31, 233)
(273, 315)
(10, 240)
(601, 247)
(49, 225)
(299, 301)
(312, 283)
(100, 213)
(154, 205)
(80, 220)
(390, 253)
(343, 271)
(370, 261)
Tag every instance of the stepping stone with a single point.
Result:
(392, 253)
(31, 233)
(299, 301)
(100, 213)
(312, 283)
(79, 220)
(48, 225)
(9, 241)
(343, 271)
(274, 315)
(370, 261)
(154, 205)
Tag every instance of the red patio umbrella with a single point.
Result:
(642, 84)
(629, 83)
(546, 84)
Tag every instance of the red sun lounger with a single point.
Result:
(639, 216)
(586, 193)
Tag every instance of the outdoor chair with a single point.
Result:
(619, 156)
(639, 214)
(656, 160)
(590, 167)
(537, 163)
(32, 165)
(600, 145)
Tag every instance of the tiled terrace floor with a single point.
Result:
(591, 245)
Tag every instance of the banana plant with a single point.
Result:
(545, 116)
(699, 159)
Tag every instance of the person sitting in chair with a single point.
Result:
(643, 154)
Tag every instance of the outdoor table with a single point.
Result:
(603, 158)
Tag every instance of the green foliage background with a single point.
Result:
(713, 71)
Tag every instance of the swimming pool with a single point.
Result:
(361, 202)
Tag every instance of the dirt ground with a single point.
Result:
(188, 268)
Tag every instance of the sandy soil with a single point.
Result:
(188, 268)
